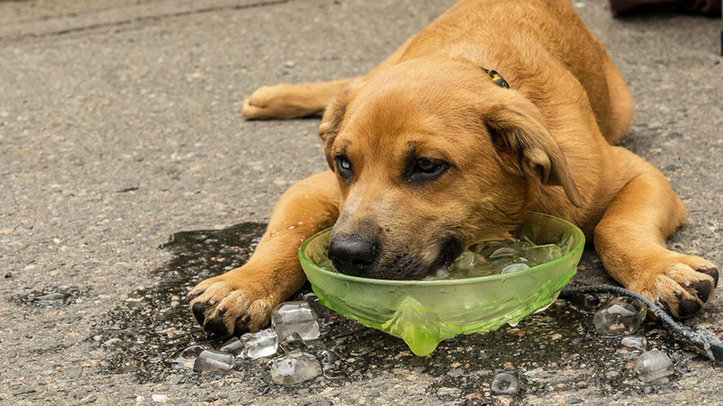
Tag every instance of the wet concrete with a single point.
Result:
(145, 333)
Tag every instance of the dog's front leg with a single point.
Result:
(630, 240)
(242, 299)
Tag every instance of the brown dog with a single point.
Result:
(432, 151)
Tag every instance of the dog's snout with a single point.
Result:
(352, 254)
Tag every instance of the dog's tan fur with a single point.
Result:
(545, 144)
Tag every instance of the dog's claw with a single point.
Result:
(199, 312)
(713, 272)
(241, 326)
(194, 294)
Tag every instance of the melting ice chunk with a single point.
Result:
(261, 344)
(328, 360)
(504, 252)
(319, 309)
(295, 317)
(653, 365)
(213, 360)
(620, 316)
(294, 368)
(505, 384)
(233, 346)
(188, 356)
(514, 268)
(637, 342)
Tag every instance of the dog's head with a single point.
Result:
(430, 157)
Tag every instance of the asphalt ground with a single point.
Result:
(120, 126)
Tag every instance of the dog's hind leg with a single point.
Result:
(621, 102)
(630, 240)
(285, 101)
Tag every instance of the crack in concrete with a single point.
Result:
(124, 16)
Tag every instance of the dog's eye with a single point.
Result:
(426, 165)
(343, 166)
(426, 170)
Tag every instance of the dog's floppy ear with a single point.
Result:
(516, 132)
(331, 123)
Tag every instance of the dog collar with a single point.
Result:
(497, 78)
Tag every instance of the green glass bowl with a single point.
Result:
(423, 313)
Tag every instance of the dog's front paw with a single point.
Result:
(231, 304)
(685, 286)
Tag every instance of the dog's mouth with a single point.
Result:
(449, 252)
(406, 266)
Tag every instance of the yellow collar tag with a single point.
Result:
(497, 78)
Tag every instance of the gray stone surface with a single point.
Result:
(120, 125)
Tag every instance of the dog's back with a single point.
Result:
(516, 38)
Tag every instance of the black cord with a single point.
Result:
(701, 338)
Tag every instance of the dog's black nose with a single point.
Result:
(352, 254)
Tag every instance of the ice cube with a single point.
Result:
(619, 316)
(584, 301)
(193, 351)
(294, 368)
(505, 384)
(468, 265)
(465, 260)
(261, 344)
(540, 254)
(504, 252)
(514, 268)
(213, 360)
(295, 317)
(233, 346)
(319, 309)
(328, 360)
(638, 342)
(188, 356)
(653, 365)
(293, 342)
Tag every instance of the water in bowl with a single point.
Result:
(498, 257)
(490, 258)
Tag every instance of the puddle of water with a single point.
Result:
(143, 334)
(550, 351)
